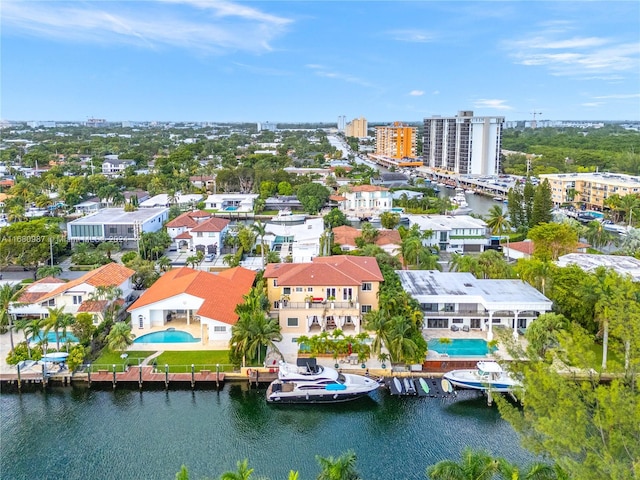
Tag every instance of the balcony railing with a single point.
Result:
(316, 305)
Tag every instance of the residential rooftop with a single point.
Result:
(118, 215)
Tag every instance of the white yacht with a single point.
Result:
(487, 376)
(286, 216)
(317, 385)
(461, 202)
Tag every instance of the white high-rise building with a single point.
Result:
(342, 120)
(463, 144)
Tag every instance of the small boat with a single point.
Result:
(498, 199)
(285, 215)
(487, 375)
(55, 357)
(409, 386)
(397, 384)
(424, 385)
(446, 386)
(327, 386)
(470, 192)
(609, 226)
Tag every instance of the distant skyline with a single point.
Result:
(306, 61)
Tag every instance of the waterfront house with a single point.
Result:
(453, 233)
(183, 201)
(366, 201)
(112, 165)
(460, 301)
(231, 202)
(300, 243)
(74, 296)
(324, 294)
(117, 225)
(187, 296)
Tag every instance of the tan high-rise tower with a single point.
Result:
(357, 128)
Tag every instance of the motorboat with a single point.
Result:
(460, 201)
(326, 385)
(307, 369)
(286, 216)
(609, 226)
(470, 192)
(487, 376)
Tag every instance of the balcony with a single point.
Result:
(328, 304)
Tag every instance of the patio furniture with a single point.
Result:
(454, 328)
(465, 328)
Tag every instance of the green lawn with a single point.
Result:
(107, 359)
(202, 359)
(615, 360)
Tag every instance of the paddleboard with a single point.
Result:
(397, 384)
(446, 386)
(424, 385)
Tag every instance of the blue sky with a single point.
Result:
(279, 61)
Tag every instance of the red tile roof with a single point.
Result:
(345, 235)
(337, 198)
(188, 219)
(183, 236)
(212, 225)
(36, 290)
(528, 246)
(337, 270)
(109, 275)
(368, 188)
(221, 292)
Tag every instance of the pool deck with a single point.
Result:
(435, 333)
(193, 329)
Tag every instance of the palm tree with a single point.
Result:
(120, 337)
(401, 346)
(536, 272)
(260, 229)
(108, 248)
(498, 221)
(164, 264)
(377, 322)
(56, 321)
(49, 271)
(464, 263)
(7, 295)
(340, 468)
(475, 465)
(266, 332)
(535, 471)
(242, 473)
(596, 235)
(31, 329)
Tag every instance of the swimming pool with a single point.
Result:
(461, 347)
(167, 336)
(51, 337)
(230, 209)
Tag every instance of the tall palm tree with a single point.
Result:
(340, 468)
(58, 321)
(401, 347)
(265, 332)
(535, 471)
(164, 263)
(49, 271)
(8, 294)
(243, 472)
(31, 329)
(604, 287)
(475, 465)
(378, 322)
(260, 229)
(596, 235)
(536, 272)
(464, 263)
(498, 221)
(120, 337)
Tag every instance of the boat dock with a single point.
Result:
(417, 387)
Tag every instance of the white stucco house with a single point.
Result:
(184, 295)
(231, 202)
(453, 233)
(366, 201)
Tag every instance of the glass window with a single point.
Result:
(219, 328)
(366, 287)
(286, 290)
(365, 308)
(292, 322)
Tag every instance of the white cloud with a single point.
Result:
(153, 25)
(435, 92)
(492, 103)
(323, 71)
(591, 104)
(576, 56)
(416, 93)
(410, 35)
(622, 96)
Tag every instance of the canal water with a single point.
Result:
(76, 433)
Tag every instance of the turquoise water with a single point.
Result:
(51, 337)
(461, 347)
(75, 433)
(167, 336)
(230, 209)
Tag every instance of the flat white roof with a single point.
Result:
(432, 286)
(446, 222)
(163, 199)
(622, 264)
(118, 215)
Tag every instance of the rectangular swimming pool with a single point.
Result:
(461, 347)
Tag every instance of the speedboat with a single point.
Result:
(325, 386)
(285, 216)
(609, 226)
(306, 370)
(486, 376)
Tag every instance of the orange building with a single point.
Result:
(396, 141)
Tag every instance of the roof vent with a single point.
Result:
(468, 285)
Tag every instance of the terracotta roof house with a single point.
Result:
(325, 294)
(516, 250)
(388, 240)
(74, 296)
(194, 296)
(198, 230)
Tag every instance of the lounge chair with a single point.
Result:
(454, 328)
(465, 328)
